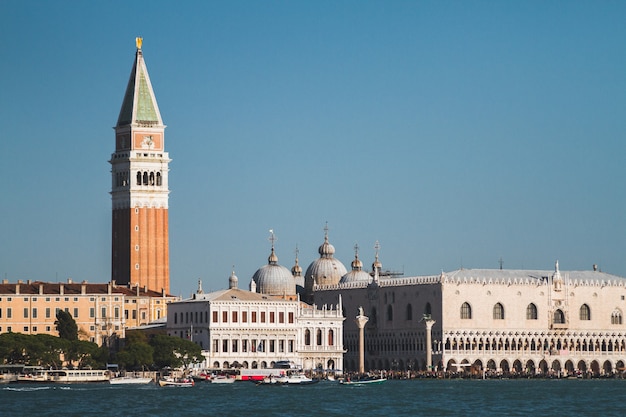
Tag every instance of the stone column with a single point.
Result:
(429, 343)
(360, 322)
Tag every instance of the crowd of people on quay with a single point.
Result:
(479, 374)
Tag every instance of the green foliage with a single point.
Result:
(174, 352)
(46, 350)
(135, 356)
(88, 354)
(66, 326)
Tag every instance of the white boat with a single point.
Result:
(289, 378)
(296, 379)
(176, 382)
(222, 379)
(33, 378)
(33, 374)
(70, 376)
(363, 381)
(130, 380)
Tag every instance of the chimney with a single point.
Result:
(40, 289)
(17, 288)
(109, 288)
(83, 288)
(69, 281)
(595, 268)
(61, 289)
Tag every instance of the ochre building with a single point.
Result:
(101, 311)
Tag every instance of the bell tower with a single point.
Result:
(139, 193)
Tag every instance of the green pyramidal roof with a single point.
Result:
(139, 105)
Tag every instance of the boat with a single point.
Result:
(32, 374)
(289, 378)
(41, 378)
(222, 379)
(70, 376)
(203, 376)
(363, 381)
(130, 380)
(296, 379)
(261, 374)
(176, 382)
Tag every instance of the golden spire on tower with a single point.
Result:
(138, 41)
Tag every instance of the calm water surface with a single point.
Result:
(406, 398)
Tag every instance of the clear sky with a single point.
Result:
(456, 133)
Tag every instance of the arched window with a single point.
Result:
(145, 178)
(389, 313)
(138, 177)
(409, 312)
(498, 312)
(466, 311)
(152, 178)
(616, 317)
(373, 317)
(585, 312)
(559, 317)
(331, 338)
(307, 337)
(428, 310)
(319, 337)
(531, 312)
(159, 181)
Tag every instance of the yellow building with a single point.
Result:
(101, 311)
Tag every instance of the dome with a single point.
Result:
(274, 279)
(326, 270)
(296, 272)
(357, 274)
(233, 281)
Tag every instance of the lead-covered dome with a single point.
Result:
(357, 274)
(274, 279)
(326, 270)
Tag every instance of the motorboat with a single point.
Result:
(222, 379)
(363, 381)
(296, 379)
(289, 378)
(176, 382)
(130, 380)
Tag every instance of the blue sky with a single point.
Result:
(455, 133)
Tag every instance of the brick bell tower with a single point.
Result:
(139, 171)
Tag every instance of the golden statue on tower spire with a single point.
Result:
(138, 41)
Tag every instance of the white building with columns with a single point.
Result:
(533, 321)
(239, 328)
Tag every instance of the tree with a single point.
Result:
(45, 350)
(66, 326)
(174, 352)
(136, 356)
(87, 354)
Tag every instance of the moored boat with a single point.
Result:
(290, 378)
(70, 376)
(130, 380)
(176, 382)
(222, 379)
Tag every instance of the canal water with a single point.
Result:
(604, 397)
